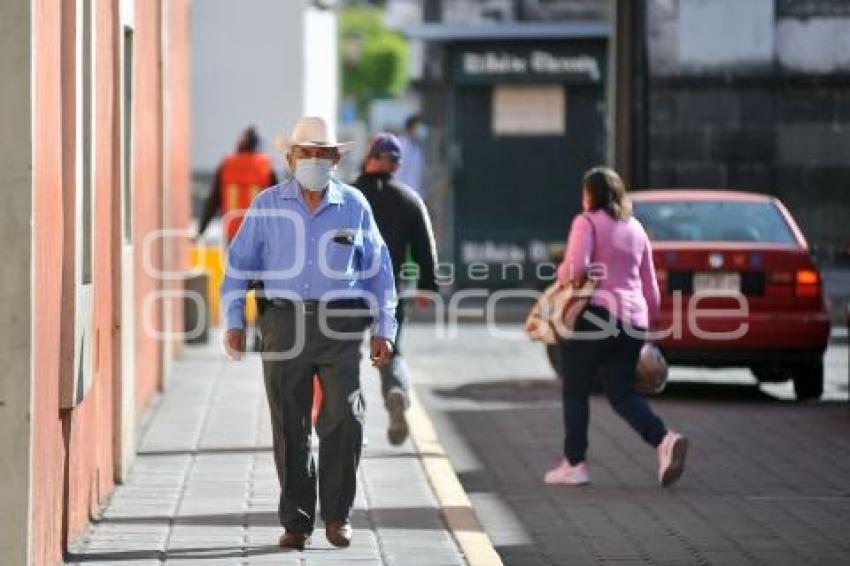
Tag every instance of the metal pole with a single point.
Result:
(640, 99)
(628, 93)
(620, 91)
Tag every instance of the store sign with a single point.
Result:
(538, 63)
(502, 252)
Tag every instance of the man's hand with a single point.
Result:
(234, 343)
(382, 349)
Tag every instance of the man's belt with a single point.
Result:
(312, 306)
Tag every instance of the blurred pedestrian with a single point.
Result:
(411, 171)
(404, 223)
(625, 300)
(238, 179)
(314, 243)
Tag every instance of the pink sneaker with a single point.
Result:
(568, 475)
(671, 458)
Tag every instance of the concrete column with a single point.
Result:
(15, 301)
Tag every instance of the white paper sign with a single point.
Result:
(529, 110)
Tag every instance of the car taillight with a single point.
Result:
(807, 283)
(800, 283)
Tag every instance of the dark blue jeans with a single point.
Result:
(617, 356)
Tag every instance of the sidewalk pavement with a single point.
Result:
(203, 489)
(767, 479)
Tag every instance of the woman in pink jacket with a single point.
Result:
(611, 332)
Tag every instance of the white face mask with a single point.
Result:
(313, 174)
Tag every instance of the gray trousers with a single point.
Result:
(395, 374)
(289, 388)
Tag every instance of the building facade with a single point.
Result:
(95, 148)
(726, 95)
(514, 95)
(758, 101)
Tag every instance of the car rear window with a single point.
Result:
(714, 220)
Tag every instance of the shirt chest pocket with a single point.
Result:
(342, 251)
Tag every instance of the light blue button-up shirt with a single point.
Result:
(334, 252)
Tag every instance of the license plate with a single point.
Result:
(717, 282)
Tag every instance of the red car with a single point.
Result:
(738, 283)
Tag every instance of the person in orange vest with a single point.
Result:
(239, 178)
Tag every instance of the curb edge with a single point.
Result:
(455, 506)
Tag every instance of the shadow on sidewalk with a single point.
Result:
(225, 450)
(199, 554)
(236, 450)
(402, 518)
(548, 390)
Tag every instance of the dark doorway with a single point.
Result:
(516, 190)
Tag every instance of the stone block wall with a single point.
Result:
(769, 120)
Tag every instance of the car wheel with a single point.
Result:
(808, 380)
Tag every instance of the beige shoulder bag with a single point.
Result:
(559, 306)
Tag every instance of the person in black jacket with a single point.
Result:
(404, 223)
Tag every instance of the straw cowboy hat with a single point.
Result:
(311, 131)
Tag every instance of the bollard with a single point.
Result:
(193, 315)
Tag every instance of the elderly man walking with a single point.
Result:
(314, 244)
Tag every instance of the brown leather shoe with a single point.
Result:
(292, 539)
(339, 533)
